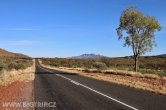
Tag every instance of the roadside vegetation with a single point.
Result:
(116, 70)
(9, 60)
(150, 65)
(15, 67)
(15, 63)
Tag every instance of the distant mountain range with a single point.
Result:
(7, 54)
(86, 56)
(162, 55)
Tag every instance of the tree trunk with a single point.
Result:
(136, 63)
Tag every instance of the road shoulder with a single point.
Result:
(154, 85)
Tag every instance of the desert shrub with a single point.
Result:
(20, 66)
(99, 65)
(152, 65)
(3, 66)
(105, 60)
(14, 63)
(162, 73)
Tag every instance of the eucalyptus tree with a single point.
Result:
(138, 32)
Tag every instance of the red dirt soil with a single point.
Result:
(12, 93)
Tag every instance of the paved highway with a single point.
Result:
(75, 92)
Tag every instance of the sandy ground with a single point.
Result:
(150, 83)
(17, 87)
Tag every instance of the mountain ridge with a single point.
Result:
(86, 56)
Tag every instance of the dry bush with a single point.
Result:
(14, 63)
(152, 65)
(7, 77)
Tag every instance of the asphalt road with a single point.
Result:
(75, 92)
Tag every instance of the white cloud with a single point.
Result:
(25, 29)
(16, 43)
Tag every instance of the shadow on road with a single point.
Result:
(53, 72)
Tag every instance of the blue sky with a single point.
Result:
(64, 28)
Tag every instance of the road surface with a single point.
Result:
(75, 92)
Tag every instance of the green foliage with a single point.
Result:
(99, 65)
(14, 63)
(87, 63)
(138, 30)
(154, 65)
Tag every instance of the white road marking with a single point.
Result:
(72, 81)
(77, 83)
(98, 92)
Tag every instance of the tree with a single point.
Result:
(138, 32)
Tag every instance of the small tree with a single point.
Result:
(139, 32)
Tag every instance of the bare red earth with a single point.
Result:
(12, 93)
